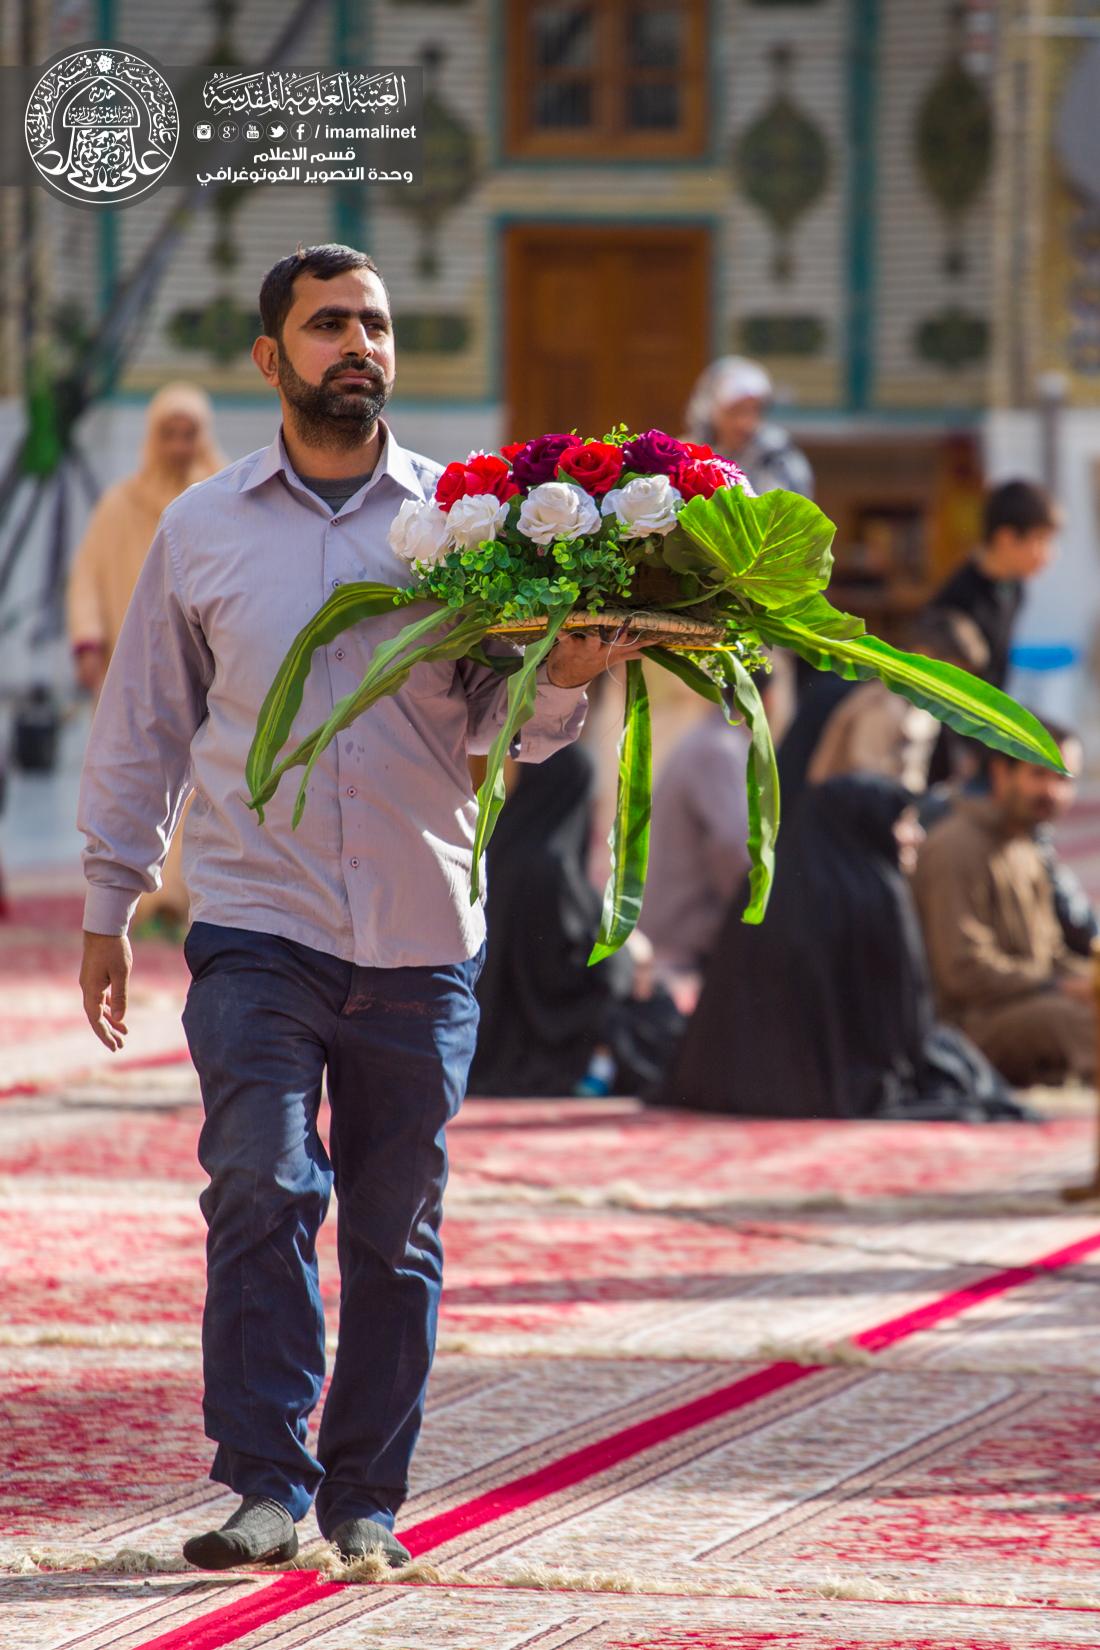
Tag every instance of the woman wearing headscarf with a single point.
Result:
(544, 1011)
(825, 1009)
(728, 409)
(179, 449)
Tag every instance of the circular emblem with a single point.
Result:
(102, 126)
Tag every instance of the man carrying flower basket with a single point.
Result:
(348, 947)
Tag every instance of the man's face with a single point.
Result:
(1031, 795)
(1023, 555)
(736, 423)
(334, 364)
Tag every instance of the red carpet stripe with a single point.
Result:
(294, 1591)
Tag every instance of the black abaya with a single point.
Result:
(825, 1009)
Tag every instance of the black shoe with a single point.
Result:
(356, 1537)
(261, 1531)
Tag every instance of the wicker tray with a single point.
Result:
(680, 630)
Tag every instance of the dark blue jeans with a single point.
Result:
(265, 1018)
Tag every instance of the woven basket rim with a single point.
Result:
(680, 630)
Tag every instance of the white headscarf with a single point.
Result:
(730, 378)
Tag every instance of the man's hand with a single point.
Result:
(579, 655)
(104, 978)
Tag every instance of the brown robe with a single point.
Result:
(996, 948)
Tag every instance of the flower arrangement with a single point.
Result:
(565, 531)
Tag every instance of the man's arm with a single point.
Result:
(134, 781)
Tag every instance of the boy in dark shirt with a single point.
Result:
(1018, 532)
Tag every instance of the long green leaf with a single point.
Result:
(389, 670)
(762, 787)
(522, 689)
(629, 840)
(678, 664)
(971, 707)
(344, 608)
(772, 550)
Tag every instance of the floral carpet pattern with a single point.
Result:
(704, 1384)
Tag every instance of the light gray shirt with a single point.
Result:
(378, 871)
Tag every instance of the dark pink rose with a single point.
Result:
(654, 453)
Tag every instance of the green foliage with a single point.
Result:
(772, 550)
(629, 839)
(506, 578)
(522, 688)
(348, 606)
(970, 706)
(762, 781)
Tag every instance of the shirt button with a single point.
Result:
(339, 653)
(351, 790)
(336, 584)
(354, 863)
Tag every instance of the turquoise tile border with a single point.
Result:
(863, 23)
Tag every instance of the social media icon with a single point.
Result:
(204, 131)
(303, 130)
(228, 130)
(276, 129)
(252, 132)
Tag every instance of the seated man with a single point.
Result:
(1000, 964)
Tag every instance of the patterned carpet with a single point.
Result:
(703, 1383)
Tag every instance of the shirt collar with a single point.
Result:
(394, 462)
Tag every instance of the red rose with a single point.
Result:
(509, 452)
(700, 477)
(597, 465)
(481, 473)
(700, 449)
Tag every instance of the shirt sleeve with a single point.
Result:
(558, 715)
(137, 764)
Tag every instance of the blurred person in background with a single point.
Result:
(550, 1024)
(1020, 524)
(825, 1009)
(728, 409)
(1001, 967)
(179, 450)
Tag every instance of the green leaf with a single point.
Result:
(970, 706)
(679, 664)
(772, 550)
(629, 839)
(388, 671)
(522, 689)
(346, 607)
(762, 783)
(819, 615)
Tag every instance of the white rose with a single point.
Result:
(555, 510)
(648, 504)
(420, 532)
(475, 518)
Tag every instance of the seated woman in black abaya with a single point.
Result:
(825, 1009)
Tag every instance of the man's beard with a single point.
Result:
(324, 415)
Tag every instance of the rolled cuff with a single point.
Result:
(557, 720)
(108, 910)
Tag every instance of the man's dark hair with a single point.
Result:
(1059, 732)
(1021, 506)
(277, 291)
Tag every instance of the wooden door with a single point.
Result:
(604, 326)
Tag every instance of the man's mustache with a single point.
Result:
(366, 368)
